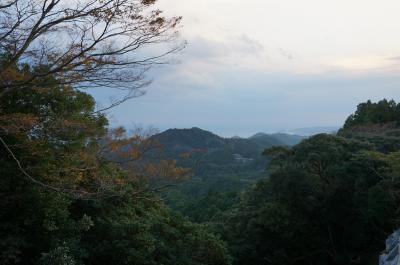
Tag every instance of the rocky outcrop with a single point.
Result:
(392, 251)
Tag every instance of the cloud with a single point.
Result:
(286, 53)
(246, 102)
(272, 65)
(204, 49)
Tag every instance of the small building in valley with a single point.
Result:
(240, 159)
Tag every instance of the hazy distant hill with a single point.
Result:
(198, 140)
(276, 139)
(188, 139)
(309, 131)
(209, 154)
(195, 138)
(220, 166)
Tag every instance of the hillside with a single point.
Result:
(220, 167)
(189, 139)
(277, 139)
(376, 123)
(207, 153)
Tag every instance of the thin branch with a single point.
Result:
(76, 193)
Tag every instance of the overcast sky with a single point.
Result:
(271, 65)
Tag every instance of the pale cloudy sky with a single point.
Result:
(271, 65)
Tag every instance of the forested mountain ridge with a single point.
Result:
(338, 193)
(378, 123)
(75, 191)
(186, 139)
(381, 112)
(220, 168)
(190, 146)
(281, 138)
(199, 138)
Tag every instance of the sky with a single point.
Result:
(270, 65)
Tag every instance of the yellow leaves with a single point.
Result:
(17, 123)
(68, 123)
(13, 75)
(132, 154)
(117, 133)
(126, 148)
(79, 177)
(138, 154)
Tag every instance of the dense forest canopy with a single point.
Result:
(64, 197)
(75, 191)
(328, 200)
(217, 166)
(338, 195)
(378, 123)
(380, 112)
(63, 202)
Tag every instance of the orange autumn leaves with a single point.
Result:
(136, 153)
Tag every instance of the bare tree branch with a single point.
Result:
(84, 43)
(78, 193)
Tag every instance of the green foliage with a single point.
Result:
(328, 200)
(210, 155)
(146, 232)
(383, 111)
(208, 208)
(276, 139)
(337, 195)
(56, 135)
(47, 129)
(377, 123)
(58, 256)
(217, 177)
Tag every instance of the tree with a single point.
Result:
(338, 195)
(51, 48)
(55, 139)
(83, 43)
(65, 199)
(64, 196)
(377, 123)
(368, 113)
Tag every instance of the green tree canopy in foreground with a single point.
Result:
(328, 200)
(62, 202)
